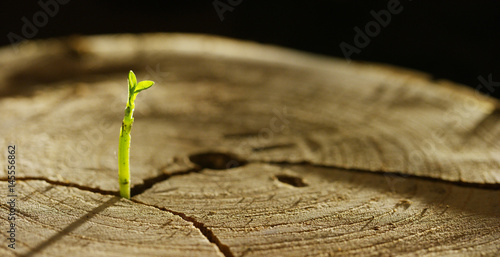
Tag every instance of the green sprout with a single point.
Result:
(124, 146)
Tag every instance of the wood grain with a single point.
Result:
(60, 221)
(337, 212)
(256, 149)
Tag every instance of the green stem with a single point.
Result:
(124, 146)
(124, 151)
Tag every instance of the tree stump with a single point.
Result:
(242, 149)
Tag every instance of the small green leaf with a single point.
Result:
(124, 144)
(143, 85)
(132, 80)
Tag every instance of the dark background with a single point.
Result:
(455, 40)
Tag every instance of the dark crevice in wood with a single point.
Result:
(389, 173)
(66, 184)
(272, 147)
(291, 180)
(241, 135)
(150, 182)
(135, 190)
(227, 159)
(216, 161)
(205, 231)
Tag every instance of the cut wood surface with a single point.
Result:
(289, 210)
(242, 149)
(56, 220)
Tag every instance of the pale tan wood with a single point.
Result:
(64, 221)
(337, 212)
(62, 103)
(359, 116)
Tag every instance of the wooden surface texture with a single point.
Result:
(242, 149)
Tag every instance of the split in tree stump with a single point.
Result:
(243, 149)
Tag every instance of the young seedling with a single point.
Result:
(124, 146)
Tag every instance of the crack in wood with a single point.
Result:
(387, 173)
(148, 183)
(291, 180)
(216, 160)
(65, 184)
(136, 190)
(205, 231)
(272, 147)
